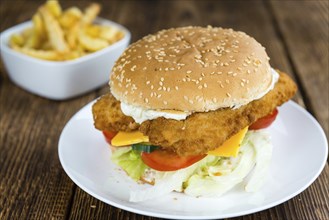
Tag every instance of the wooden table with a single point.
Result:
(33, 184)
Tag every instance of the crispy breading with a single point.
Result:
(200, 132)
(108, 115)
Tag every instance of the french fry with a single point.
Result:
(39, 26)
(33, 40)
(46, 46)
(41, 54)
(71, 55)
(37, 35)
(90, 14)
(91, 44)
(54, 8)
(64, 35)
(16, 40)
(72, 36)
(110, 34)
(70, 17)
(54, 31)
(93, 30)
(27, 32)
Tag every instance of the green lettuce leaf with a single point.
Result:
(130, 161)
(219, 175)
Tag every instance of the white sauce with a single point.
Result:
(140, 115)
(275, 78)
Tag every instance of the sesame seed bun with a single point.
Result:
(192, 69)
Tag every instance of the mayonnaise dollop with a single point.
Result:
(275, 78)
(140, 114)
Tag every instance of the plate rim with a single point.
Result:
(172, 216)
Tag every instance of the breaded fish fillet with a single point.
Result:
(109, 117)
(200, 132)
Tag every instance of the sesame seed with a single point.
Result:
(189, 71)
(159, 96)
(228, 94)
(133, 68)
(148, 82)
(205, 85)
(165, 102)
(161, 83)
(176, 87)
(146, 100)
(162, 79)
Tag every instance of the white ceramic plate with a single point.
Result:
(299, 155)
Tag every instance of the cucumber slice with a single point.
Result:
(144, 148)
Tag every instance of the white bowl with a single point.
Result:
(63, 79)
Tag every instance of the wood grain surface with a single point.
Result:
(33, 184)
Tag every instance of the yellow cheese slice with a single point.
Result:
(231, 147)
(128, 138)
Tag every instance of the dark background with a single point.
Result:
(33, 184)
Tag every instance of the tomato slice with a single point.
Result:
(109, 135)
(264, 122)
(166, 161)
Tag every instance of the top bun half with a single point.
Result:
(191, 69)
